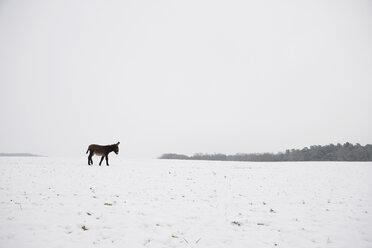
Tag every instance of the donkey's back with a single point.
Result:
(96, 149)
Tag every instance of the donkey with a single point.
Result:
(102, 151)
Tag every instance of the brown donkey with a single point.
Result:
(102, 151)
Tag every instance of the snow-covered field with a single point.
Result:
(63, 202)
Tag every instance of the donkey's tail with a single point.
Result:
(87, 151)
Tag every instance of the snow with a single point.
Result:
(63, 202)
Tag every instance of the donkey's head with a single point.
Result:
(116, 148)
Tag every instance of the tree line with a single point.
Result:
(331, 152)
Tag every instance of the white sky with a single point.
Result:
(184, 76)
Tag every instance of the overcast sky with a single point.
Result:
(184, 76)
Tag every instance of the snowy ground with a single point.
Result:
(61, 202)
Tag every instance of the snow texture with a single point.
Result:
(63, 202)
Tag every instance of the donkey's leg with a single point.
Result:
(107, 160)
(90, 161)
(101, 160)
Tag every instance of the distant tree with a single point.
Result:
(173, 156)
(345, 152)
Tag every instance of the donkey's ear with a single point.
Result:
(118, 143)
